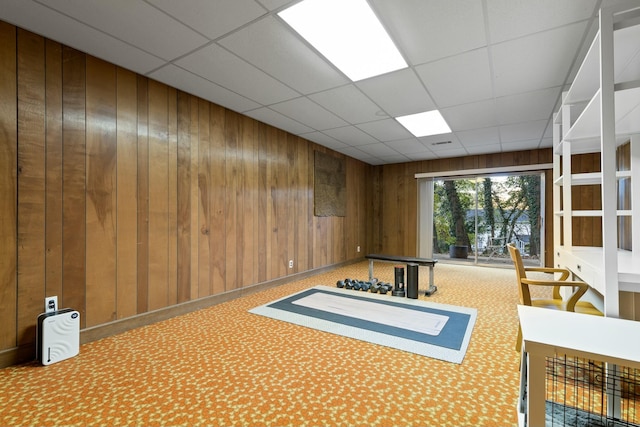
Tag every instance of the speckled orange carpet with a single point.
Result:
(223, 366)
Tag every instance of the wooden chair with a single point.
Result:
(556, 302)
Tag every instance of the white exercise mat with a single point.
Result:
(425, 323)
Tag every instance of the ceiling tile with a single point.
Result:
(485, 136)
(423, 155)
(272, 47)
(546, 143)
(395, 158)
(518, 63)
(436, 145)
(527, 106)
(407, 146)
(349, 103)
(47, 22)
(459, 79)
(275, 4)
(385, 130)
(484, 149)
(361, 155)
(398, 93)
(309, 113)
(211, 18)
(523, 131)
(374, 161)
(350, 135)
(471, 116)
(219, 66)
(325, 140)
(378, 149)
(456, 152)
(198, 86)
(276, 119)
(421, 27)
(510, 19)
(528, 144)
(142, 25)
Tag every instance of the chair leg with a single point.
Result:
(519, 339)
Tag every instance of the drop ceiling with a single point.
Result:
(495, 69)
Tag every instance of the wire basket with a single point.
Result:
(588, 393)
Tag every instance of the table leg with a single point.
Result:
(432, 288)
(430, 276)
(536, 390)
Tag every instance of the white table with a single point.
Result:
(548, 332)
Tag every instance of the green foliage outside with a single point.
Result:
(502, 202)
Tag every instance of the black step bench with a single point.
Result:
(425, 262)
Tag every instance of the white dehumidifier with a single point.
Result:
(57, 336)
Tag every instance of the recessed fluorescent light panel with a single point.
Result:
(425, 124)
(348, 34)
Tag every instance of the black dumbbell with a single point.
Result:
(340, 283)
(385, 287)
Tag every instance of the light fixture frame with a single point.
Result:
(359, 51)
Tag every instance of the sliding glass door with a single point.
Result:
(474, 218)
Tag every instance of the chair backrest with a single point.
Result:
(523, 289)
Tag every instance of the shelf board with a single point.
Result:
(627, 54)
(586, 130)
(623, 174)
(592, 178)
(626, 64)
(596, 213)
(587, 80)
(586, 213)
(586, 178)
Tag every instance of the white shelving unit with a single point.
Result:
(600, 112)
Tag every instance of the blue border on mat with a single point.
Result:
(451, 336)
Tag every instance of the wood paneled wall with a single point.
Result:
(122, 195)
(395, 192)
(586, 231)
